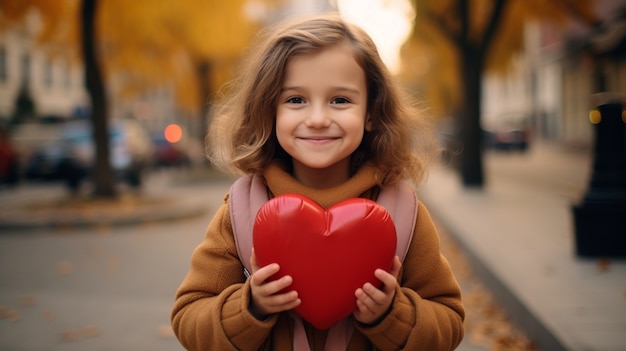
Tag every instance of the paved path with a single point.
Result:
(98, 287)
(519, 234)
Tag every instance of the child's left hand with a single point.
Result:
(372, 303)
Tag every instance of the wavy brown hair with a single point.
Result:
(242, 135)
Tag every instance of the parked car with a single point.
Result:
(508, 132)
(167, 154)
(9, 163)
(71, 156)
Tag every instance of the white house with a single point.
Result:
(50, 77)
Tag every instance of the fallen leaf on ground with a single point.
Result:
(166, 331)
(28, 300)
(65, 268)
(87, 332)
(604, 264)
(47, 314)
(486, 324)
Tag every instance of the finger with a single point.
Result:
(275, 286)
(367, 310)
(283, 301)
(371, 297)
(395, 267)
(276, 308)
(374, 296)
(272, 303)
(265, 305)
(388, 279)
(363, 308)
(267, 297)
(264, 273)
(363, 301)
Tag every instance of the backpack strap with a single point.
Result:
(401, 203)
(249, 193)
(247, 196)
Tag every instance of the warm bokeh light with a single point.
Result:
(595, 116)
(388, 22)
(173, 133)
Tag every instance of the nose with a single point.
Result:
(317, 118)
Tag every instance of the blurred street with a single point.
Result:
(97, 288)
(518, 234)
(101, 288)
(104, 287)
(126, 89)
(111, 287)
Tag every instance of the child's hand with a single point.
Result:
(265, 299)
(372, 303)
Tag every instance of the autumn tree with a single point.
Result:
(44, 23)
(103, 176)
(190, 44)
(468, 38)
(61, 21)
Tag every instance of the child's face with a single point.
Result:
(322, 111)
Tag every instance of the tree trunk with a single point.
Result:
(472, 54)
(102, 176)
(204, 71)
(470, 133)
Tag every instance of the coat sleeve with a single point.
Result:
(210, 311)
(427, 313)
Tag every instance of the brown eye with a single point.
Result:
(295, 100)
(340, 100)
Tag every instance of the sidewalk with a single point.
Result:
(48, 206)
(518, 232)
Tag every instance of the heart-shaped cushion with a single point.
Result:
(329, 253)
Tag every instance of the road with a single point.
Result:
(109, 288)
(97, 288)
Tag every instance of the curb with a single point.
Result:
(516, 310)
(170, 211)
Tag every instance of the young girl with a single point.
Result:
(316, 112)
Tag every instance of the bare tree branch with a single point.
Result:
(573, 8)
(439, 23)
(462, 12)
(493, 25)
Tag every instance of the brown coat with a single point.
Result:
(211, 307)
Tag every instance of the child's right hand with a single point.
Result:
(265, 299)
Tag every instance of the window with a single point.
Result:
(3, 65)
(47, 74)
(26, 70)
(66, 75)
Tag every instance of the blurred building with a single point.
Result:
(595, 57)
(156, 106)
(556, 81)
(37, 81)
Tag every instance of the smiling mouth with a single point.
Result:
(319, 140)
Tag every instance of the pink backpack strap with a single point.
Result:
(398, 199)
(401, 202)
(247, 196)
(249, 193)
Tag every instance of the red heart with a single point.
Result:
(329, 253)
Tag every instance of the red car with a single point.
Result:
(9, 170)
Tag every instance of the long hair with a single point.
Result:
(242, 136)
